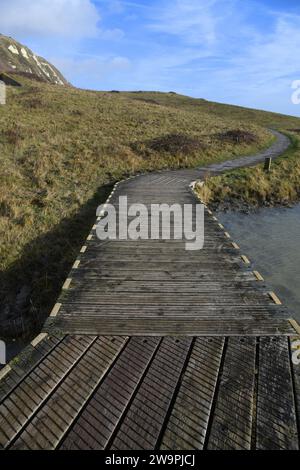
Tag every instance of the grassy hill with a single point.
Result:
(61, 148)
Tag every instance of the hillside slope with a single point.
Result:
(61, 148)
(17, 58)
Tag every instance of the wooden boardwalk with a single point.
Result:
(151, 346)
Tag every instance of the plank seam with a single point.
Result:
(123, 415)
(255, 397)
(215, 395)
(174, 396)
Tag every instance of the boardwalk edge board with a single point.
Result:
(38, 339)
(295, 325)
(5, 371)
(245, 259)
(275, 299)
(55, 309)
(258, 276)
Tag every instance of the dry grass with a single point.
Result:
(253, 187)
(61, 148)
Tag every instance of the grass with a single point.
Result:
(60, 150)
(250, 188)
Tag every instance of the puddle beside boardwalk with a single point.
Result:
(271, 239)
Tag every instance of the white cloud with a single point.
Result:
(267, 64)
(67, 18)
(94, 67)
(195, 22)
(111, 34)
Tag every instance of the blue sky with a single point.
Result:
(243, 52)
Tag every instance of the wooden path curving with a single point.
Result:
(151, 346)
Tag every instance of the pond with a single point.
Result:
(271, 239)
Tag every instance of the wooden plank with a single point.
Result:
(110, 285)
(20, 405)
(276, 413)
(25, 362)
(231, 425)
(143, 421)
(187, 426)
(104, 411)
(159, 326)
(294, 346)
(54, 419)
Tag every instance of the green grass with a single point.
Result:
(253, 187)
(60, 150)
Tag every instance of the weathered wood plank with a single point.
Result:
(158, 326)
(25, 362)
(102, 414)
(21, 404)
(51, 422)
(231, 425)
(276, 412)
(187, 426)
(294, 346)
(142, 424)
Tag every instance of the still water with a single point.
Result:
(271, 239)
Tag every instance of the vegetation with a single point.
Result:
(61, 148)
(249, 188)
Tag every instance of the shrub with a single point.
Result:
(237, 136)
(176, 144)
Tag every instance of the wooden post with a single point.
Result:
(2, 93)
(268, 162)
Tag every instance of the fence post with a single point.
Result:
(2, 353)
(2, 93)
(268, 162)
